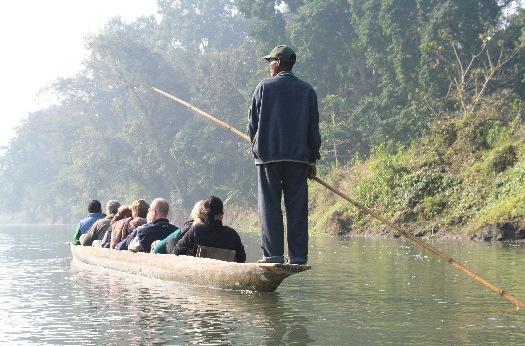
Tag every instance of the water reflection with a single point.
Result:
(161, 311)
(358, 292)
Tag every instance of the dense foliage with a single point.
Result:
(464, 174)
(386, 72)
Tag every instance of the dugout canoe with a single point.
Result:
(258, 277)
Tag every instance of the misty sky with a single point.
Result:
(43, 40)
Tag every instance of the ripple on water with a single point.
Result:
(358, 292)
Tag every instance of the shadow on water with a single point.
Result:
(162, 312)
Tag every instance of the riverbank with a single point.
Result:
(465, 179)
(247, 221)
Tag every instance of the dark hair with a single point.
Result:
(94, 206)
(288, 64)
(211, 207)
(123, 212)
(112, 206)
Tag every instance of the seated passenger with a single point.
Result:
(158, 227)
(121, 229)
(211, 233)
(123, 213)
(95, 213)
(99, 228)
(167, 245)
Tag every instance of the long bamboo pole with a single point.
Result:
(519, 304)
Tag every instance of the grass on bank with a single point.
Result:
(466, 173)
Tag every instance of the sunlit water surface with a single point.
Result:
(359, 292)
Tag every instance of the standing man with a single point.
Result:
(284, 131)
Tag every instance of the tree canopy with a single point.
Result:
(384, 70)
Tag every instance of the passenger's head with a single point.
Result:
(211, 210)
(139, 208)
(158, 209)
(112, 206)
(94, 206)
(195, 212)
(123, 212)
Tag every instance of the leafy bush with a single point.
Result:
(506, 200)
(504, 158)
(466, 173)
(433, 206)
(382, 185)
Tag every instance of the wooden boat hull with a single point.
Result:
(259, 277)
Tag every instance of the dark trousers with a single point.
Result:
(274, 180)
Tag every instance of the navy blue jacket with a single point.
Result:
(148, 233)
(284, 121)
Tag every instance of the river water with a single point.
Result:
(359, 292)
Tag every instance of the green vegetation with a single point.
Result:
(456, 183)
(420, 102)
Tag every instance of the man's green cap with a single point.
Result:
(282, 52)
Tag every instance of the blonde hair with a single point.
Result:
(195, 212)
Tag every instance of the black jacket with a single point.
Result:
(284, 121)
(172, 243)
(218, 236)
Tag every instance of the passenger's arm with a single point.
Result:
(106, 239)
(240, 253)
(314, 136)
(123, 245)
(130, 236)
(253, 117)
(87, 240)
(170, 246)
(185, 243)
(76, 237)
(161, 245)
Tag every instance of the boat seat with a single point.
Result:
(215, 253)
